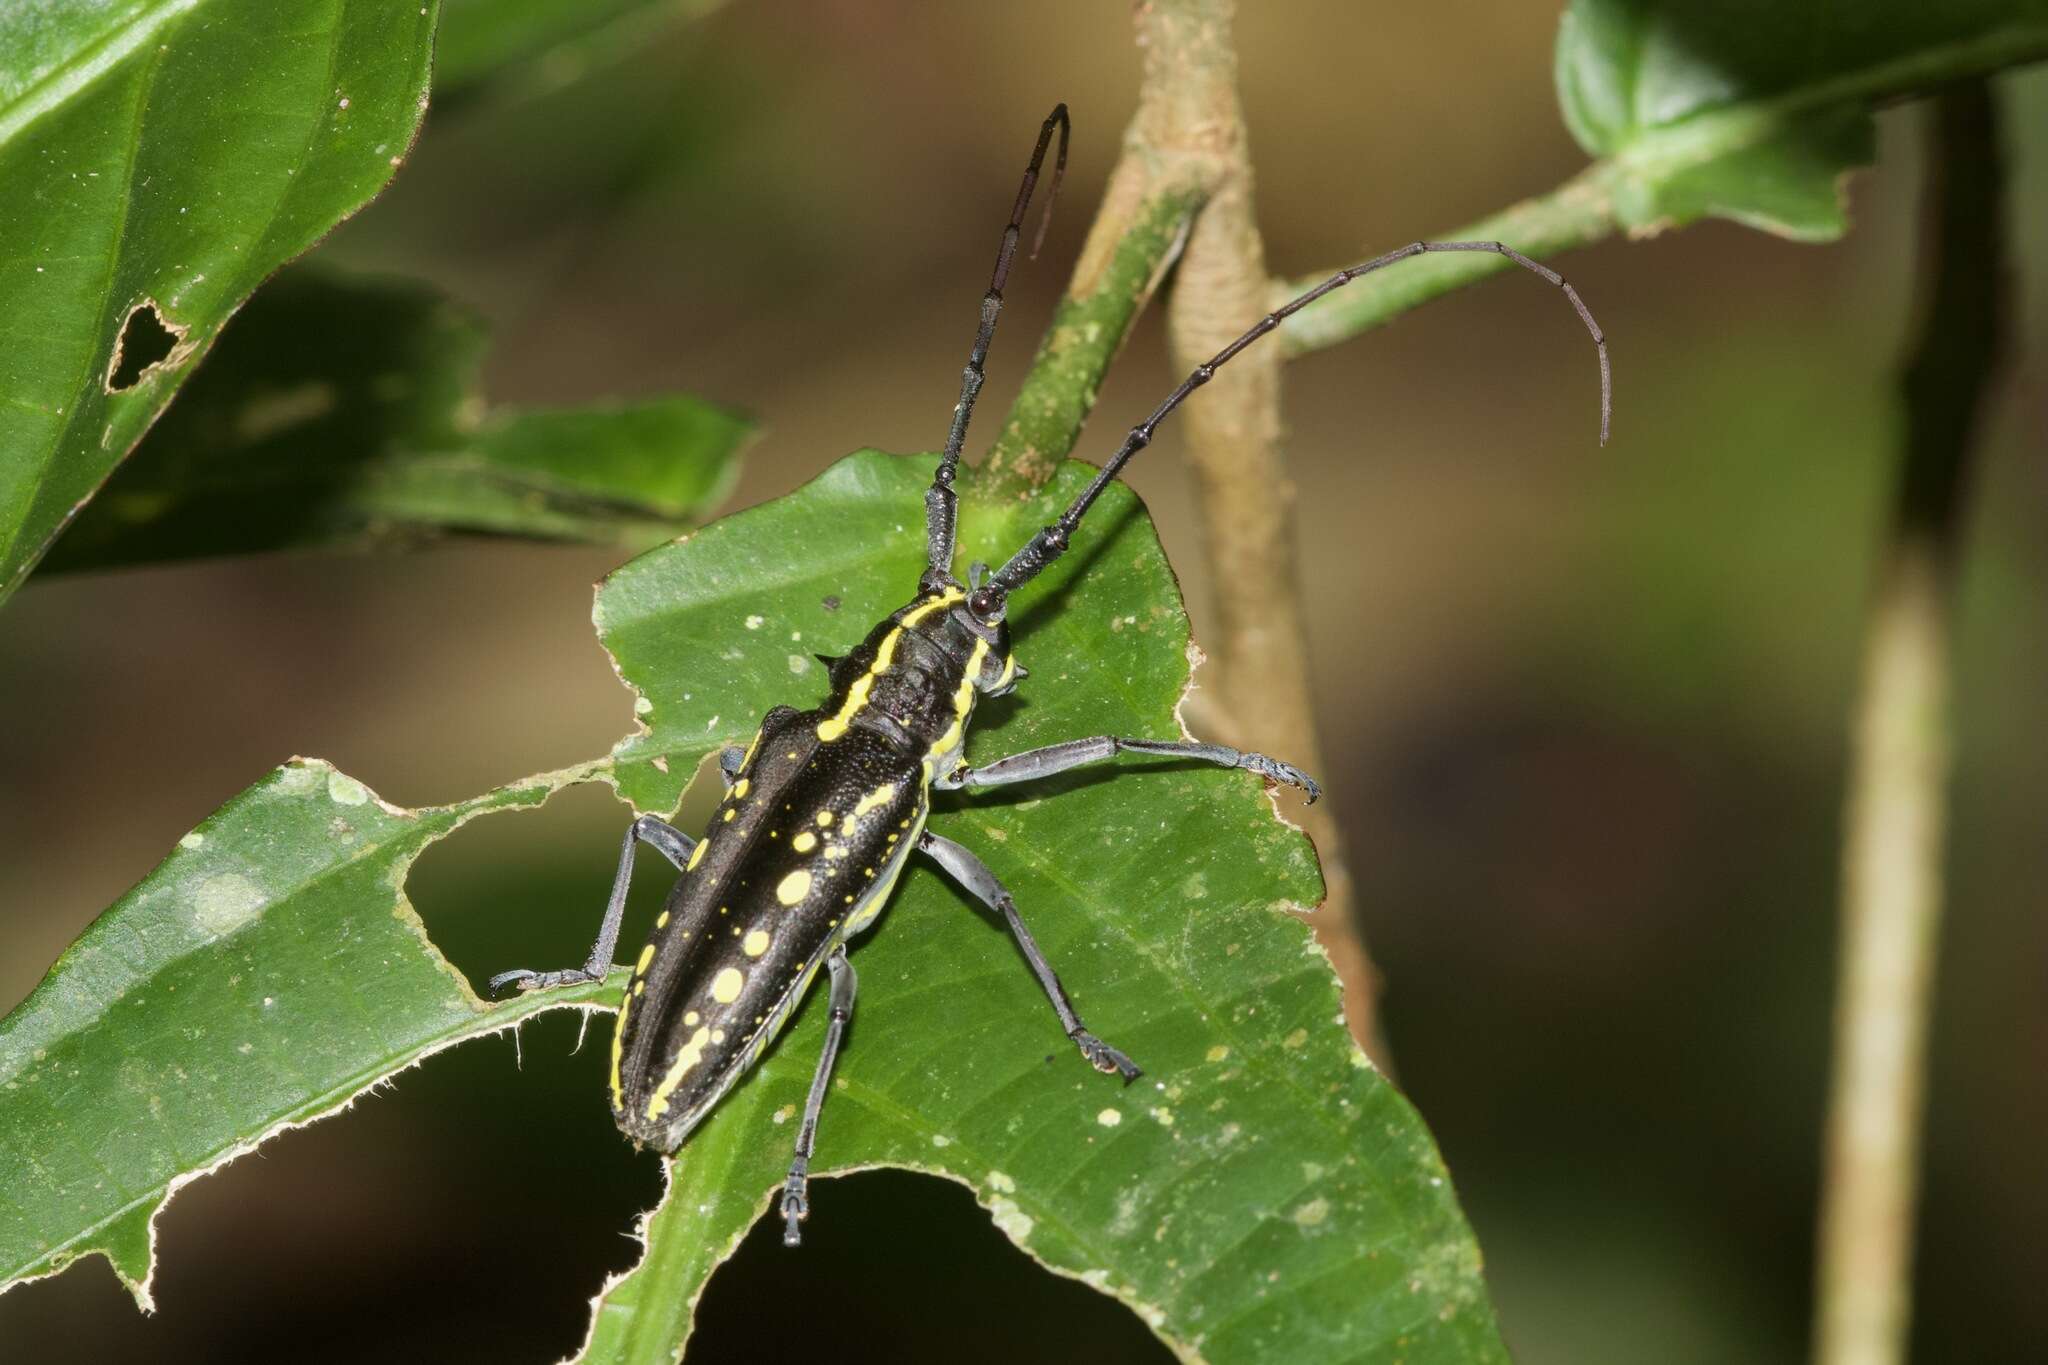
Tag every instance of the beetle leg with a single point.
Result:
(666, 839)
(1033, 764)
(796, 1205)
(974, 877)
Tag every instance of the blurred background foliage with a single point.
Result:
(1585, 708)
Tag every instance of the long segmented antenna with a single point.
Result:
(940, 503)
(1050, 543)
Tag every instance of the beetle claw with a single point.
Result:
(1105, 1058)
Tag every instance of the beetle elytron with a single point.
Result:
(823, 809)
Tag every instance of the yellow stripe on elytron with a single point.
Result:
(692, 1053)
(880, 796)
(618, 1052)
(697, 854)
(963, 702)
(747, 761)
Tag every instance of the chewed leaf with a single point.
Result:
(160, 161)
(267, 973)
(1262, 1193)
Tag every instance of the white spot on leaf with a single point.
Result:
(345, 790)
(224, 903)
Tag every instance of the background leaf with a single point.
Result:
(1261, 1194)
(482, 38)
(265, 974)
(341, 409)
(166, 158)
(1754, 111)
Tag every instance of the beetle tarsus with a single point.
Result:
(1274, 770)
(540, 981)
(796, 1205)
(1105, 1058)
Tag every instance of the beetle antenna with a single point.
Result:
(1050, 543)
(941, 505)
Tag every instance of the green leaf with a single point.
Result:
(481, 38)
(1757, 110)
(269, 971)
(1262, 1194)
(339, 409)
(160, 160)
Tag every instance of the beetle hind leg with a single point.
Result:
(974, 877)
(796, 1203)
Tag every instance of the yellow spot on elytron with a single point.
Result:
(794, 887)
(718, 1035)
(739, 788)
(661, 920)
(697, 854)
(692, 1053)
(880, 796)
(730, 813)
(824, 818)
(835, 850)
(646, 956)
(690, 1019)
(805, 842)
(849, 900)
(618, 1052)
(639, 989)
(725, 987)
(755, 943)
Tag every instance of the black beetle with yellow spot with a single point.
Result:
(824, 807)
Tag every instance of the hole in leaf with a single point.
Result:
(145, 342)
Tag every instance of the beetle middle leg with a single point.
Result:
(975, 878)
(657, 834)
(1033, 764)
(796, 1204)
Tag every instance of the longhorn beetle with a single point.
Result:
(825, 807)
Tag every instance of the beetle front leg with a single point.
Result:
(1033, 764)
(975, 878)
(796, 1204)
(665, 838)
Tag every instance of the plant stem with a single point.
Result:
(1135, 238)
(1892, 850)
(1577, 213)
(1259, 697)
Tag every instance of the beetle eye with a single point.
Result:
(987, 604)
